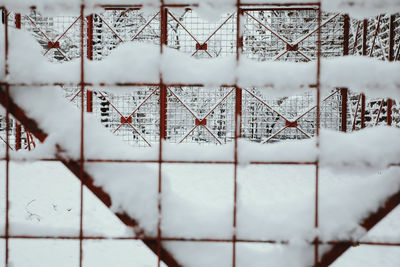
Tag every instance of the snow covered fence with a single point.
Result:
(161, 210)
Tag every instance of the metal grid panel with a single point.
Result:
(189, 33)
(290, 35)
(270, 119)
(133, 116)
(113, 27)
(200, 114)
(371, 37)
(58, 35)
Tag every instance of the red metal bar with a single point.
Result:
(238, 128)
(343, 113)
(7, 156)
(163, 127)
(18, 20)
(344, 91)
(364, 37)
(318, 125)
(353, 243)
(89, 52)
(392, 33)
(89, 101)
(363, 104)
(18, 135)
(82, 131)
(389, 111)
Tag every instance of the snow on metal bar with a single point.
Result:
(66, 156)
(141, 188)
(363, 75)
(213, 8)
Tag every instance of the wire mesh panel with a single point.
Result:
(290, 35)
(270, 119)
(372, 37)
(200, 114)
(59, 36)
(113, 27)
(189, 33)
(133, 116)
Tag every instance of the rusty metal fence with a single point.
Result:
(148, 114)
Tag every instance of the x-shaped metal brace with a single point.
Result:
(128, 119)
(291, 46)
(201, 121)
(288, 123)
(200, 46)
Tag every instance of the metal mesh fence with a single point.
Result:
(202, 114)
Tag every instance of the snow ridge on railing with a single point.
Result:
(142, 63)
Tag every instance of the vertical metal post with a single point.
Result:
(82, 136)
(344, 91)
(364, 38)
(89, 41)
(18, 128)
(163, 88)
(163, 125)
(391, 58)
(389, 112)
(363, 102)
(318, 125)
(7, 185)
(238, 127)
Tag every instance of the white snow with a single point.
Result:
(142, 63)
(361, 8)
(197, 202)
(133, 187)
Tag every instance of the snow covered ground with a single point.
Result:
(45, 201)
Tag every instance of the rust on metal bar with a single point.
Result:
(290, 47)
(201, 46)
(126, 120)
(291, 124)
(200, 122)
(18, 20)
(51, 45)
